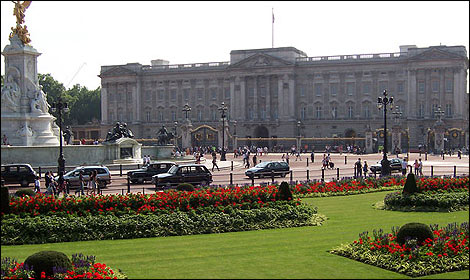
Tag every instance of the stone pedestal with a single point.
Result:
(122, 149)
(439, 131)
(186, 134)
(25, 119)
(369, 142)
(396, 139)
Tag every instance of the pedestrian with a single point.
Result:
(404, 165)
(365, 167)
(255, 159)
(81, 182)
(420, 167)
(37, 185)
(358, 165)
(287, 158)
(297, 156)
(247, 159)
(214, 161)
(92, 182)
(416, 166)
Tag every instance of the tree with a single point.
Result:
(86, 106)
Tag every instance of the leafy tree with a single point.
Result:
(86, 104)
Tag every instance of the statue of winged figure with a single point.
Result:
(19, 30)
(19, 10)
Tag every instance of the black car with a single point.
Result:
(195, 174)
(395, 165)
(22, 174)
(145, 173)
(266, 168)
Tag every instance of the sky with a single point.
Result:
(76, 38)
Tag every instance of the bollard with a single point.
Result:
(355, 172)
(337, 173)
(443, 156)
(307, 162)
(138, 165)
(345, 159)
(323, 175)
(272, 176)
(253, 180)
(291, 176)
(432, 171)
(120, 170)
(455, 171)
(426, 156)
(231, 178)
(122, 191)
(143, 190)
(231, 167)
(40, 172)
(128, 185)
(308, 178)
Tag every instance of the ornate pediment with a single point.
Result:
(260, 60)
(117, 71)
(435, 54)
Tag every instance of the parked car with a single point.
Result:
(21, 173)
(72, 177)
(265, 169)
(145, 173)
(196, 174)
(395, 165)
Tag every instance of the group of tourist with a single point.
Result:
(56, 186)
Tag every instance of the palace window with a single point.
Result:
(421, 87)
(303, 113)
(318, 89)
(275, 114)
(435, 86)
(173, 94)
(366, 88)
(366, 112)
(148, 95)
(262, 91)
(350, 112)
(318, 112)
(199, 114)
(173, 115)
(262, 113)
(161, 93)
(214, 93)
(251, 91)
(434, 109)
(333, 89)
(448, 110)
(160, 115)
(199, 93)
(400, 87)
(334, 112)
(227, 93)
(421, 110)
(214, 114)
(147, 116)
(186, 94)
(449, 86)
(250, 113)
(350, 88)
(129, 97)
(301, 90)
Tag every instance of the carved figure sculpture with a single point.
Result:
(39, 103)
(119, 130)
(67, 135)
(164, 136)
(19, 30)
(11, 94)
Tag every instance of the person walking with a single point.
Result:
(416, 166)
(358, 165)
(297, 156)
(404, 165)
(92, 182)
(255, 159)
(364, 168)
(37, 185)
(214, 161)
(81, 182)
(287, 158)
(420, 167)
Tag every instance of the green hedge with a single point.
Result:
(428, 201)
(50, 229)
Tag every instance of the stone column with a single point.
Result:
(137, 95)
(291, 98)
(255, 98)
(268, 97)
(104, 104)
(369, 143)
(280, 99)
(186, 134)
(243, 98)
(439, 131)
(233, 106)
(396, 138)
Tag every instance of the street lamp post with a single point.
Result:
(223, 109)
(382, 103)
(60, 106)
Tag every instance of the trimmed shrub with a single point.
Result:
(48, 261)
(414, 231)
(284, 192)
(5, 200)
(23, 192)
(185, 187)
(410, 184)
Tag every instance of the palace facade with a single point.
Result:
(282, 92)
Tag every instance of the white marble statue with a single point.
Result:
(39, 103)
(11, 94)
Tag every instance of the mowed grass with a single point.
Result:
(279, 253)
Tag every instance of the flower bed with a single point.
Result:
(447, 251)
(84, 267)
(48, 229)
(427, 201)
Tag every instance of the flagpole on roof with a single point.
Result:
(272, 30)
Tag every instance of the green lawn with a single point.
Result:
(280, 253)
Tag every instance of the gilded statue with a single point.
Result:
(22, 32)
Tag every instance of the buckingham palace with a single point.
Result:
(282, 92)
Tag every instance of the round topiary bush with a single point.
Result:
(185, 187)
(47, 261)
(418, 231)
(5, 200)
(410, 184)
(23, 192)
(284, 192)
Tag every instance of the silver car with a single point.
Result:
(72, 177)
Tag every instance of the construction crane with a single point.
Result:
(84, 63)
